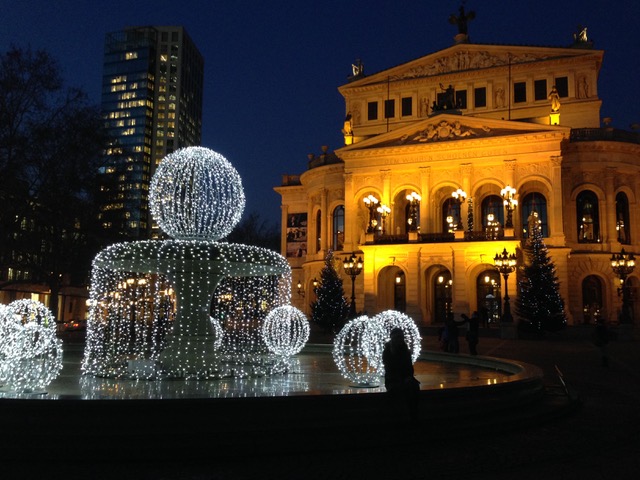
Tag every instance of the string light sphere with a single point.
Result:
(191, 306)
(285, 330)
(357, 350)
(197, 194)
(30, 352)
(391, 319)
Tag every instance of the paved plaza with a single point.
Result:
(597, 437)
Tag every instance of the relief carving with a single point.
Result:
(467, 60)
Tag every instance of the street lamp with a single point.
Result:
(352, 267)
(460, 196)
(300, 290)
(623, 264)
(384, 212)
(506, 264)
(370, 201)
(508, 195)
(414, 200)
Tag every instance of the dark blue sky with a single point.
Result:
(272, 68)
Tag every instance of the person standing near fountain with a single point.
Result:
(399, 380)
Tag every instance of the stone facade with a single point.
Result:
(403, 137)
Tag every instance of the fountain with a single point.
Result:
(190, 306)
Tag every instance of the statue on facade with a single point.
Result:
(554, 96)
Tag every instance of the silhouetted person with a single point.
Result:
(473, 332)
(601, 340)
(399, 381)
(451, 327)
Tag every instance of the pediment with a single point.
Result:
(464, 57)
(444, 128)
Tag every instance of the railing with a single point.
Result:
(603, 134)
(435, 238)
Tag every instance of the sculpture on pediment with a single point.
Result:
(442, 131)
(581, 35)
(357, 68)
(461, 20)
(347, 129)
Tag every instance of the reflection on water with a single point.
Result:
(309, 373)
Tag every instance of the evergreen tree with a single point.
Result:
(330, 309)
(539, 304)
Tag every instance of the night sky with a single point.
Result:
(272, 68)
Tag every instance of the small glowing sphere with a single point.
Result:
(357, 350)
(391, 319)
(285, 330)
(196, 194)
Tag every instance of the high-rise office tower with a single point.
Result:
(151, 106)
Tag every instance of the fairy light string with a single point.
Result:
(191, 306)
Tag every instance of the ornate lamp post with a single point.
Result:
(460, 196)
(384, 212)
(370, 201)
(352, 267)
(506, 264)
(414, 200)
(508, 195)
(623, 264)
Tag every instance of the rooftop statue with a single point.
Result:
(461, 20)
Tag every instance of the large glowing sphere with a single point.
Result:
(30, 352)
(285, 330)
(196, 194)
(357, 350)
(391, 319)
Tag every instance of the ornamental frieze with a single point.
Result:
(466, 60)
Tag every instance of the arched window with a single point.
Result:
(488, 288)
(493, 204)
(588, 217)
(442, 284)
(622, 218)
(591, 299)
(450, 214)
(338, 228)
(534, 202)
(318, 231)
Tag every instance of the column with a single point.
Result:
(425, 192)
(324, 221)
(554, 214)
(608, 230)
(351, 235)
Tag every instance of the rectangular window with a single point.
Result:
(540, 90)
(519, 92)
(461, 99)
(372, 111)
(407, 106)
(480, 97)
(562, 85)
(389, 108)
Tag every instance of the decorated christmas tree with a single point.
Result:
(330, 309)
(539, 304)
